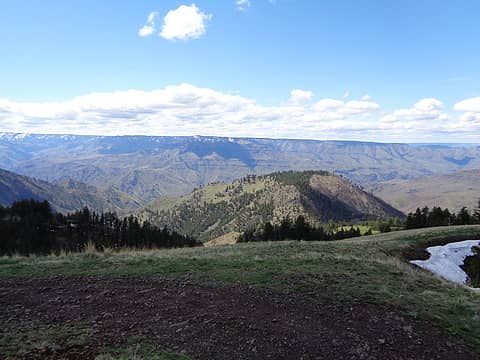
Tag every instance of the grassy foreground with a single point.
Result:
(372, 268)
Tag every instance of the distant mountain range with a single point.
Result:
(452, 191)
(148, 167)
(225, 208)
(66, 196)
(123, 173)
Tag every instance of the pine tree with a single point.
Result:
(268, 232)
(464, 217)
(301, 228)
(285, 230)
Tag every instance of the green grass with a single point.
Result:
(363, 228)
(371, 268)
(22, 342)
(48, 340)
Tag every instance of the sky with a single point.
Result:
(372, 70)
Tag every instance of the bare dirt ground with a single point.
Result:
(215, 321)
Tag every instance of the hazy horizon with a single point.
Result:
(244, 137)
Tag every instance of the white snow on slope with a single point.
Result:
(446, 260)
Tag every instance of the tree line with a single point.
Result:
(437, 216)
(299, 229)
(31, 227)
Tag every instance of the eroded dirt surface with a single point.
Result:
(214, 321)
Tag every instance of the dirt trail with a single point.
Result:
(212, 321)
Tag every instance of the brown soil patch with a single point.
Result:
(214, 321)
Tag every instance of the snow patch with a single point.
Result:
(446, 260)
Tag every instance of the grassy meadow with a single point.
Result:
(372, 268)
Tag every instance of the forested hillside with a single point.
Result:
(223, 208)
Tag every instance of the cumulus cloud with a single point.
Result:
(181, 110)
(242, 5)
(471, 113)
(186, 109)
(425, 114)
(184, 23)
(332, 108)
(468, 105)
(428, 105)
(149, 27)
(298, 96)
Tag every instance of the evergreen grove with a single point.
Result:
(302, 230)
(31, 227)
(437, 216)
(299, 229)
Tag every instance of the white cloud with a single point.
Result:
(425, 114)
(242, 5)
(346, 94)
(186, 110)
(428, 105)
(471, 116)
(298, 96)
(338, 108)
(185, 22)
(366, 97)
(469, 105)
(149, 27)
(183, 110)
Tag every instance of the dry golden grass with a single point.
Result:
(227, 239)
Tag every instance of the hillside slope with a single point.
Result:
(68, 195)
(348, 299)
(222, 208)
(148, 167)
(452, 191)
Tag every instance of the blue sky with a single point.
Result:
(391, 54)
